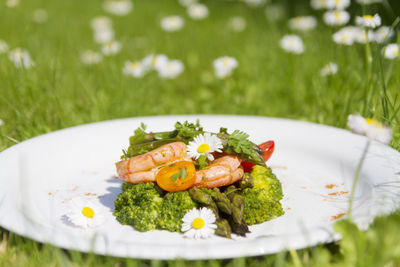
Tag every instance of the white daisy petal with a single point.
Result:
(85, 214)
(198, 223)
(371, 128)
(204, 144)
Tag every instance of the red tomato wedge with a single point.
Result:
(267, 147)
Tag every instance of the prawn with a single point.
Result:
(223, 171)
(143, 168)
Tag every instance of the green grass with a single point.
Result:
(61, 92)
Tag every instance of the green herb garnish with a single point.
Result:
(182, 174)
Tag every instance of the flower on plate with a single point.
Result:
(369, 21)
(21, 58)
(111, 48)
(292, 43)
(104, 35)
(12, 3)
(172, 23)
(39, 15)
(329, 69)
(3, 47)
(237, 24)
(369, 127)
(204, 144)
(303, 23)
(224, 66)
(170, 69)
(100, 23)
(90, 57)
(383, 34)
(197, 11)
(84, 213)
(199, 223)
(118, 7)
(391, 51)
(336, 17)
(134, 69)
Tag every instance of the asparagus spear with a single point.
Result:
(223, 228)
(247, 181)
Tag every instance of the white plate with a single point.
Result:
(39, 176)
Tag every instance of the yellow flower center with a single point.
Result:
(368, 17)
(373, 122)
(338, 15)
(198, 223)
(203, 148)
(88, 212)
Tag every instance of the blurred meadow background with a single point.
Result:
(65, 63)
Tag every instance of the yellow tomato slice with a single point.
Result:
(177, 176)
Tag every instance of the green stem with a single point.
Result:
(357, 176)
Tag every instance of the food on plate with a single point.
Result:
(168, 174)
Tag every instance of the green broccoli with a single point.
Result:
(261, 203)
(139, 205)
(174, 207)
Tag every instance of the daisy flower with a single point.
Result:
(100, 23)
(170, 69)
(199, 223)
(369, 21)
(292, 43)
(187, 3)
(90, 57)
(371, 128)
(237, 24)
(329, 69)
(391, 51)
(336, 17)
(21, 58)
(338, 4)
(274, 12)
(363, 36)
(3, 47)
(1, 122)
(154, 61)
(346, 35)
(303, 23)
(134, 69)
(104, 35)
(111, 48)
(319, 4)
(255, 3)
(197, 11)
(118, 7)
(12, 3)
(85, 214)
(204, 144)
(39, 15)
(224, 66)
(172, 23)
(383, 34)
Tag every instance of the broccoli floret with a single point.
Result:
(139, 205)
(174, 207)
(261, 203)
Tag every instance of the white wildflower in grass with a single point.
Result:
(338, 4)
(369, 21)
(329, 69)
(172, 23)
(346, 35)
(85, 214)
(204, 144)
(303, 23)
(274, 12)
(3, 47)
(197, 11)
(134, 69)
(336, 17)
(363, 36)
(155, 62)
(111, 48)
(104, 35)
(101, 23)
(224, 66)
(39, 15)
(255, 3)
(21, 58)
(368, 2)
(199, 223)
(369, 127)
(383, 34)
(319, 4)
(187, 3)
(292, 43)
(90, 57)
(1, 122)
(237, 24)
(118, 7)
(12, 3)
(171, 69)
(391, 51)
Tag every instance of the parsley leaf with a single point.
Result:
(188, 130)
(240, 143)
(182, 174)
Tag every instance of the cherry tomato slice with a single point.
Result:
(177, 176)
(268, 148)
